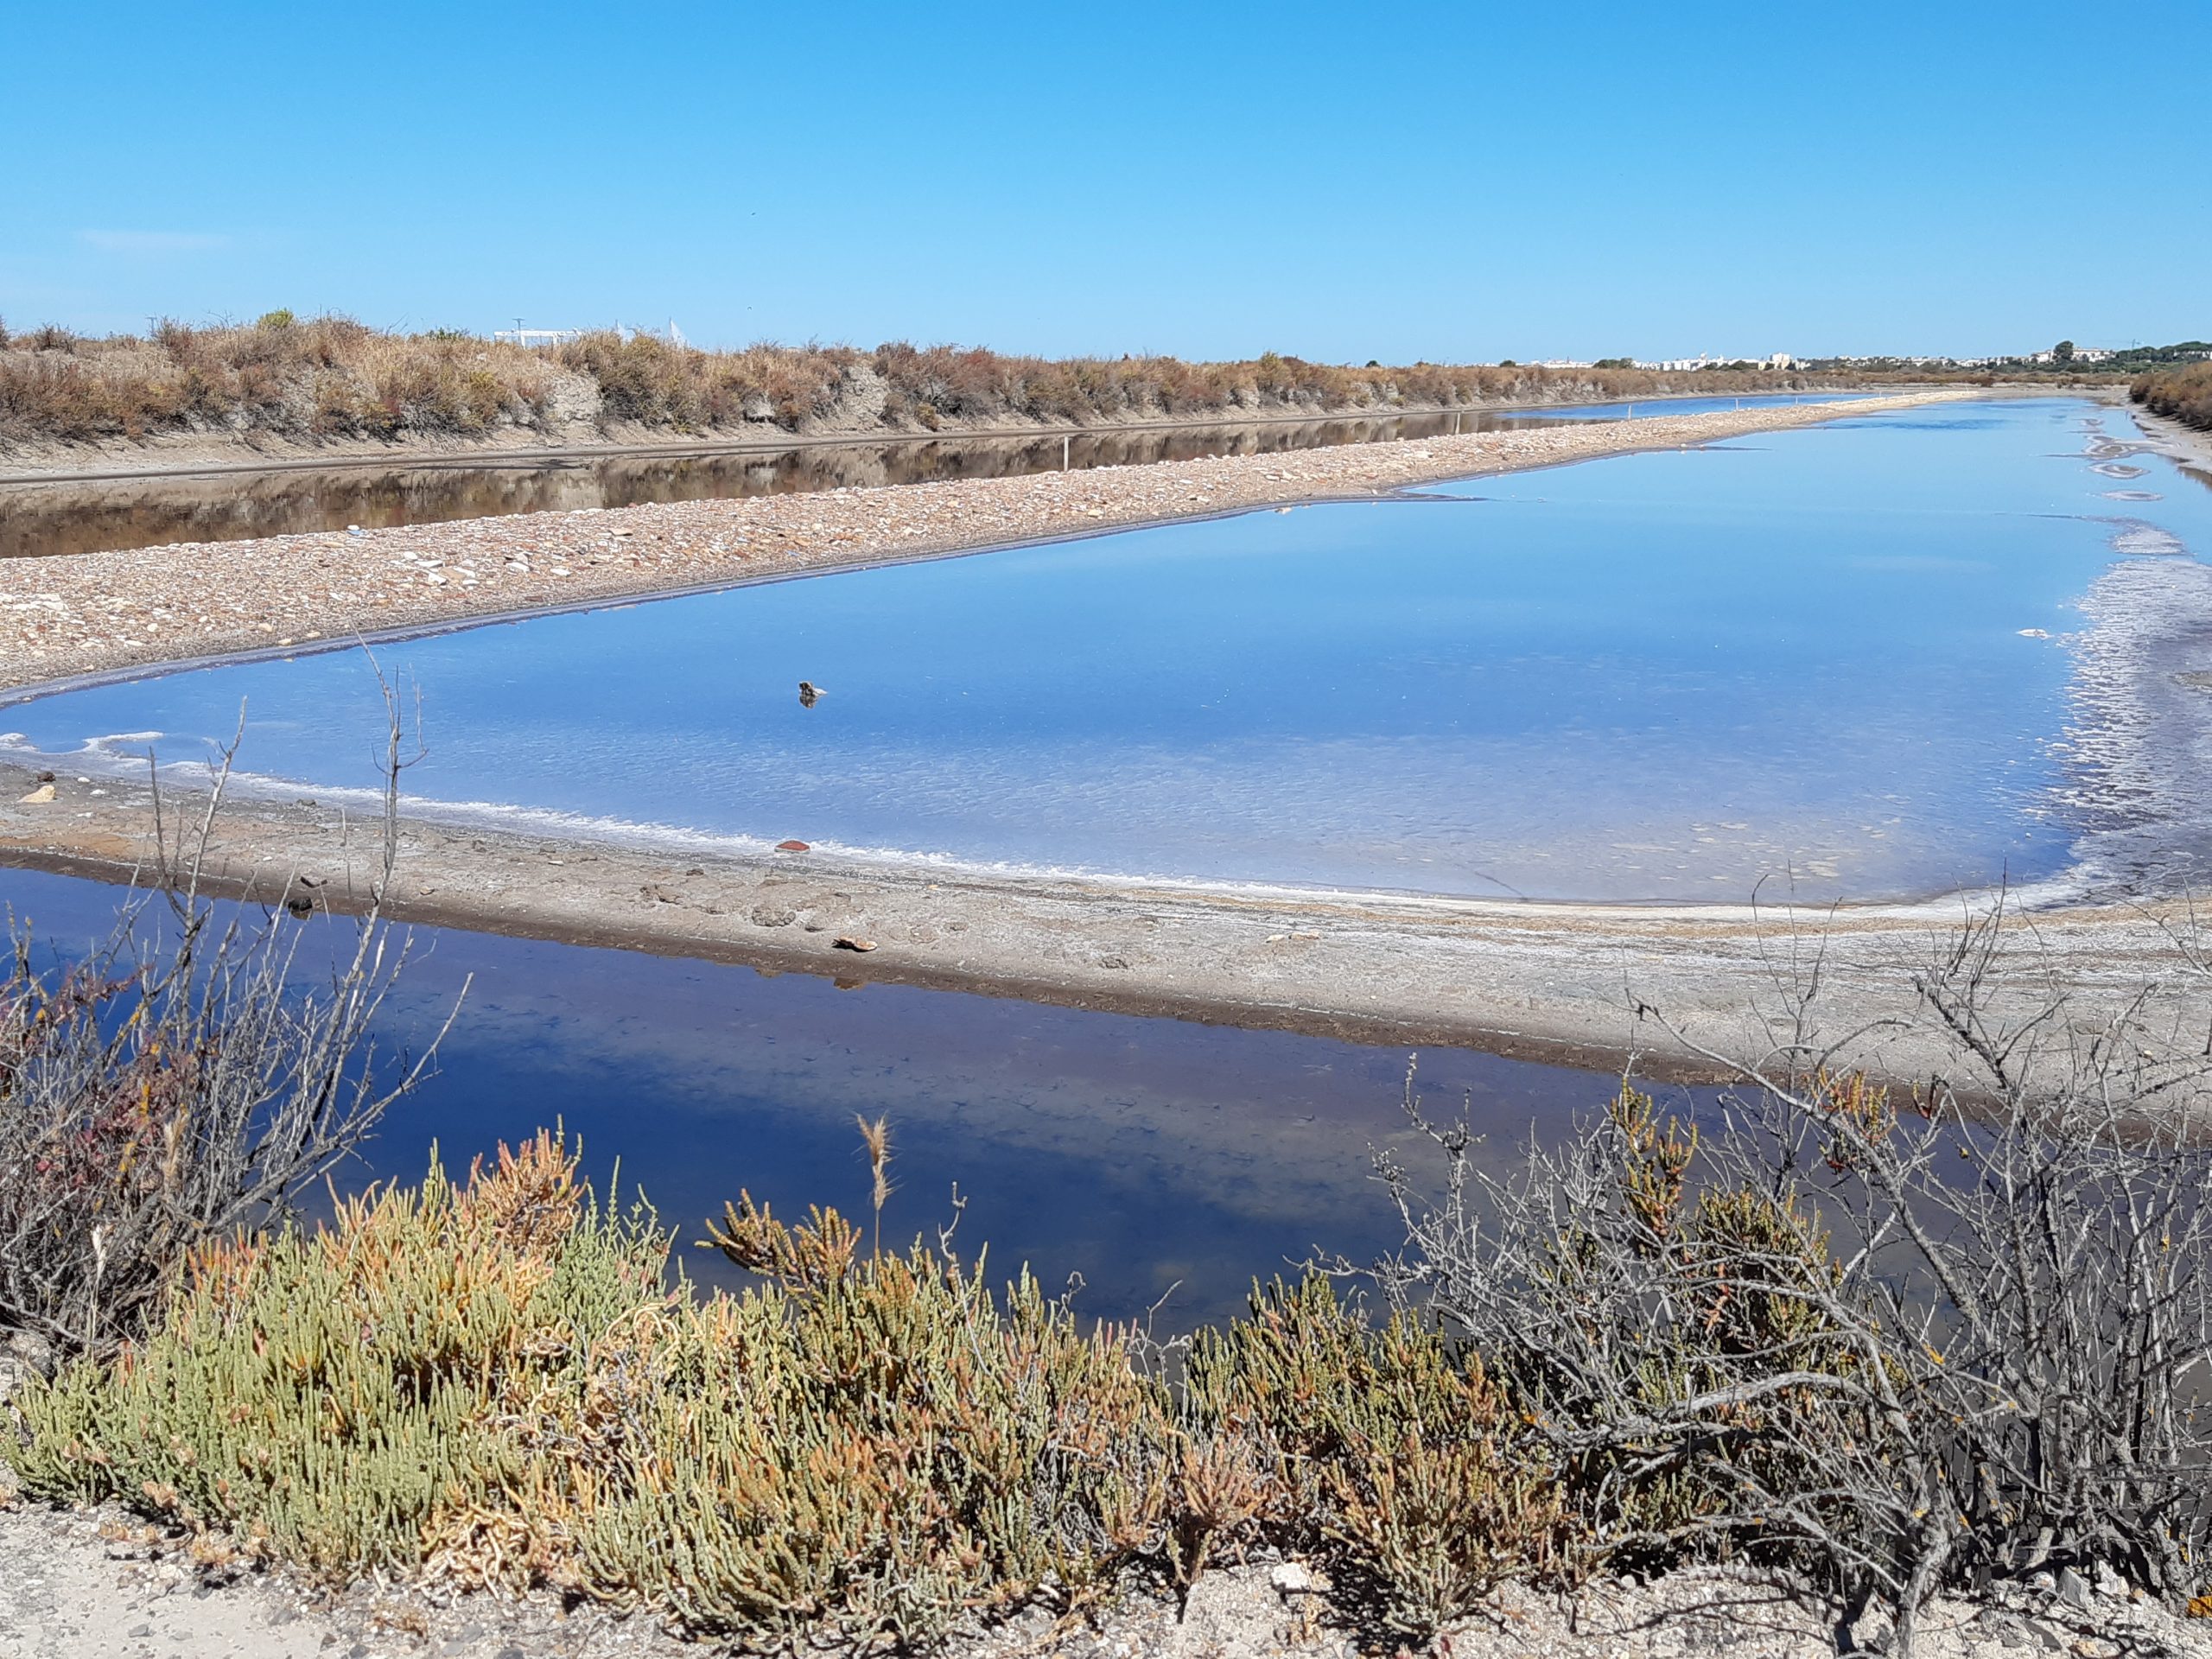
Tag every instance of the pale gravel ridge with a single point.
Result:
(100, 612)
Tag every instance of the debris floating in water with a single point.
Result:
(809, 694)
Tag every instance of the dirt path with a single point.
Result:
(208, 455)
(102, 1586)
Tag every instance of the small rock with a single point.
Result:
(792, 846)
(846, 942)
(39, 795)
(1295, 1579)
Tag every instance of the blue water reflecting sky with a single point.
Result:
(1149, 1156)
(1834, 652)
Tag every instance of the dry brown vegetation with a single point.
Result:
(2184, 392)
(330, 377)
(1810, 1338)
(493, 1385)
(1887, 1342)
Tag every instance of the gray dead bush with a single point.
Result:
(179, 1083)
(1902, 1340)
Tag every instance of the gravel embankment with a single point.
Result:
(104, 1586)
(98, 612)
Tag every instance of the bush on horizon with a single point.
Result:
(330, 377)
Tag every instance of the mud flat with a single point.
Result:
(2187, 447)
(64, 618)
(1567, 983)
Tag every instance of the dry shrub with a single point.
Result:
(333, 378)
(326, 377)
(1898, 1344)
(172, 1088)
(1391, 1452)
(2184, 392)
(491, 1385)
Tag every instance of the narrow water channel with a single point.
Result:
(1155, 1158)
(39, 519)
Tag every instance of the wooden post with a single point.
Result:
(1065, 443)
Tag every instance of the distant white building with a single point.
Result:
(1690, 365)
(519, 335)
(522, 336)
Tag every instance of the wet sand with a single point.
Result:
(62, 618)
(1572, 984)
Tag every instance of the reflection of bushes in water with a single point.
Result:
(1894, 1342)
(333, 378)
(2184, 393)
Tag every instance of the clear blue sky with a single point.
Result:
(1452, 182)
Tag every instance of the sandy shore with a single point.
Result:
(2187, 447)
(1567, 983)
(91, 614)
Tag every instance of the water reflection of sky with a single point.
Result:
(1140, 1153)
(1832, 653)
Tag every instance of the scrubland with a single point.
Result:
(1875, 1343)
(328, 378)
(2185, 393)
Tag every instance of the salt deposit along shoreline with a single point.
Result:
(1563, 983)
(1569, 983)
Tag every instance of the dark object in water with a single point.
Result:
(300, 905)
(809, 694)
(792, 846)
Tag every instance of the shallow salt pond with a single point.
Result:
(1155, 1158)
(1843, 658)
